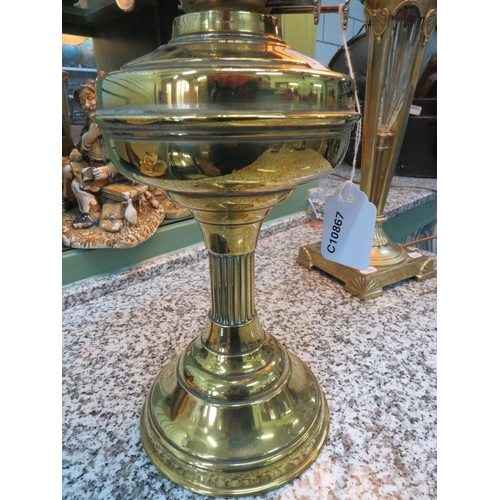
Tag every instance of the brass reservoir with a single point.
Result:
(226, 108)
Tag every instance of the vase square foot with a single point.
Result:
(368, 284)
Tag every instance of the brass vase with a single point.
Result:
(397, 33)
(236, 120)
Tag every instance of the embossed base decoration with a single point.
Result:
(223, 449)
(368, 284)
(148, 220)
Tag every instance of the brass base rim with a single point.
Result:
(237, 480)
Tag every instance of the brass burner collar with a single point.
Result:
(220, 22)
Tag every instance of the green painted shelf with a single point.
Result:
(79, 265)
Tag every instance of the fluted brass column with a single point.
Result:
(232, 288)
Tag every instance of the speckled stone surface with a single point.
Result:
(375, 360)
(98, 286)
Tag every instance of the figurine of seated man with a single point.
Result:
(90, 168)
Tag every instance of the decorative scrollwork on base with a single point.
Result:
(304, 258)
(364, 287)
(427, 270)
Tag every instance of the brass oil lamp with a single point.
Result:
(397, 33)
(228, 120)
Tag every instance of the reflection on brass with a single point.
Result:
(150, 165)
(397, 32)
(240, 120)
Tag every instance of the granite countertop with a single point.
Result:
(375, 360)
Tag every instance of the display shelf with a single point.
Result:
(78, 265)
(81, 70)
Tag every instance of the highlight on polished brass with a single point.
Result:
(397, 33)
(229, 120)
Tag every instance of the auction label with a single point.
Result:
(348, 227)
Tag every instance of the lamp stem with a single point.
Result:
(232, 288)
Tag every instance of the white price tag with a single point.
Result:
(415, 110)
(414, 255)
(348, 227)
(370, 270)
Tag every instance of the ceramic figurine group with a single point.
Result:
(102, 209)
